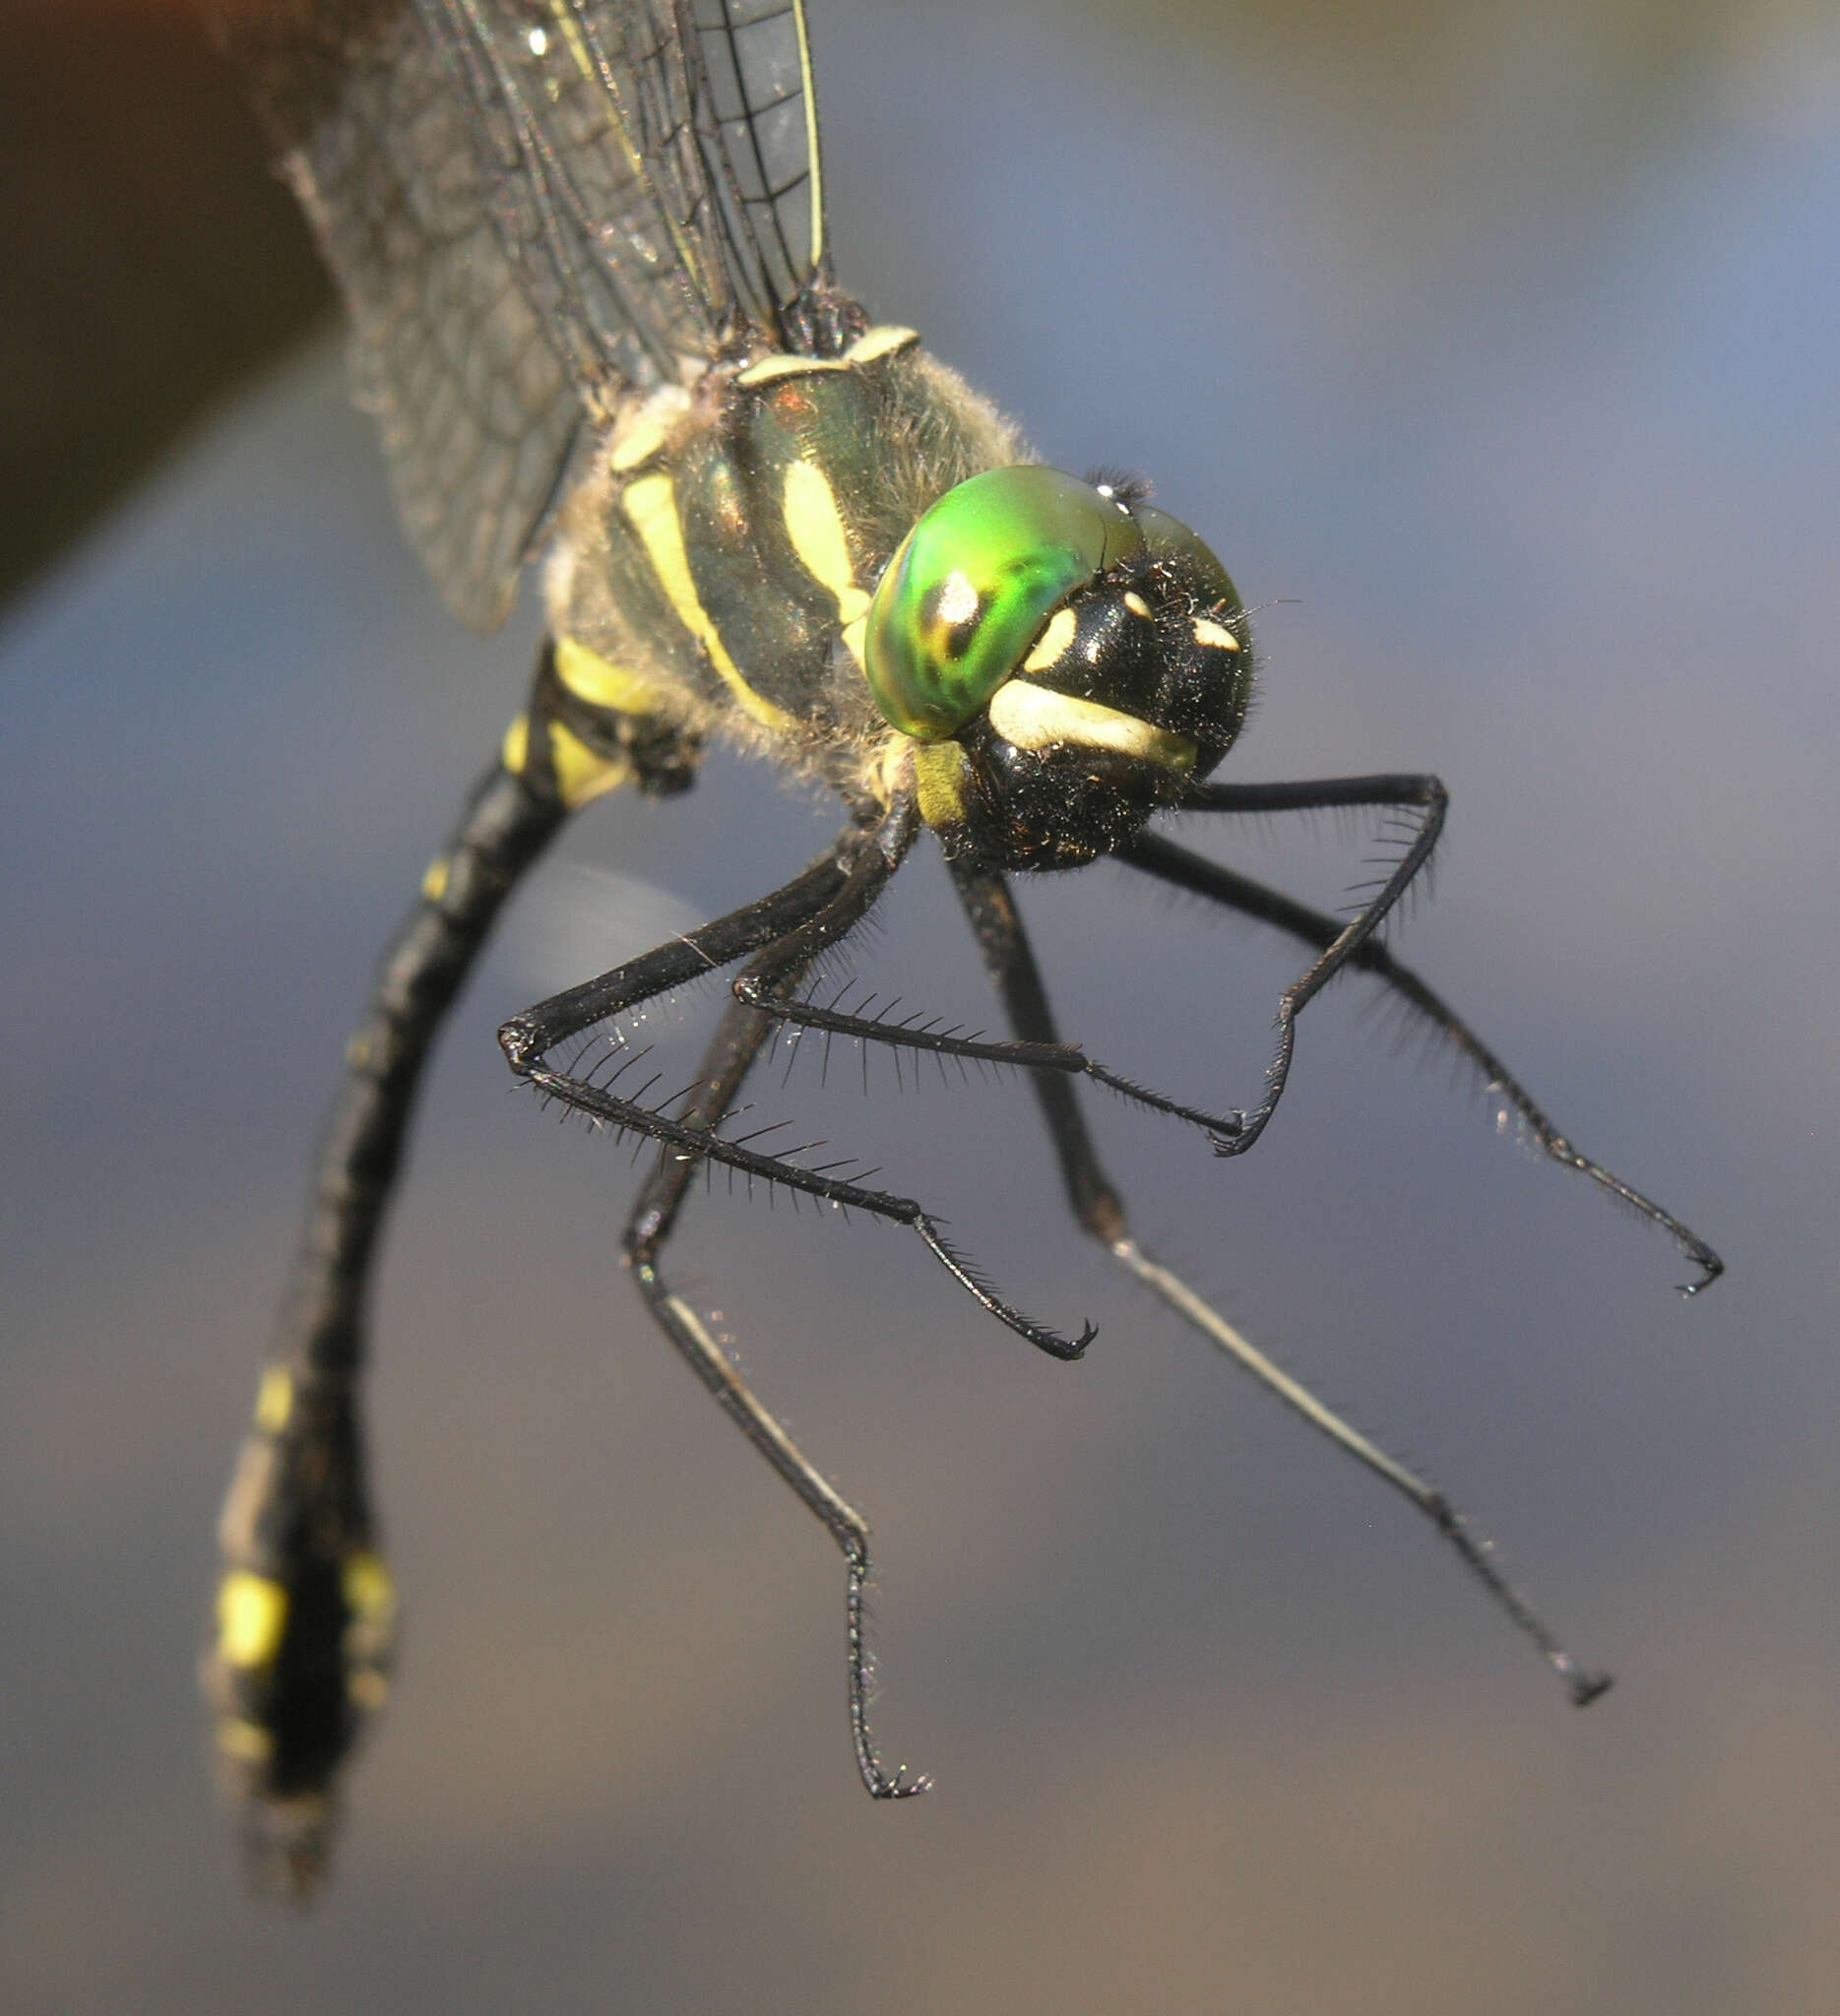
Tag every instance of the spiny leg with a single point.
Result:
(725, 1066)
(1232, 1133)
(1176, 866)
(790, 927)
(1320, 795)
(1010, 964)
(305, 1606)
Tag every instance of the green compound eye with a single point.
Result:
(971, 586)
(1169, 539)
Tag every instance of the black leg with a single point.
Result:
(789, 928)
(1232, 1133)
(1175, 865)
(1425, 793)
(306, 1608)
(729, 1060)
(1010, 963)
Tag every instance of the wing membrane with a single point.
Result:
(536, 207)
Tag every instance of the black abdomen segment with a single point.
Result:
(307, 1607)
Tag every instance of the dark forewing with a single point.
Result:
(535, 208)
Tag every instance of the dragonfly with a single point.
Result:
(583, 245)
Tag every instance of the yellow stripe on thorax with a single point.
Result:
(880, 342)
(787, 364)
(651, 506)
(883, 341)
(815, 527)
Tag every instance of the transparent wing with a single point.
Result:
(533, 209)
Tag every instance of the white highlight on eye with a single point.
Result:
(957, 599)
(538, 42)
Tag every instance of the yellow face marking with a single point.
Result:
(1216, 636)
(583, 772)
(651, 504)
(939, 772)
(275, 1399)
(369, 1588)
(252, 1614)
(782, 366)
(246, 1742)
(1136, 604)
(1054, 642)
(601, 682)
(880, 342)
(853, 635)
(358, 1053)
(815, 527)
(515, 747)
(434, 882)
(1033, 718)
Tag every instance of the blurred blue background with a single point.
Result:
(1495, 350)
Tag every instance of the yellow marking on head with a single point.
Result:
(601, 682)
(815, 527)
(369, 1587)
(434, 882)
(1136, 604)
(247, 1742)
(880, 342)
(651, 504)
(1216, 636)
(275, 1399)
(583, 772)
(939, 773)
(1054, 642)
(1034, 717)
(854, 636)
(784, 365)
(358, 1053)
(252, 1614)
(516, 748)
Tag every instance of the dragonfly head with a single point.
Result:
(1067, 656)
